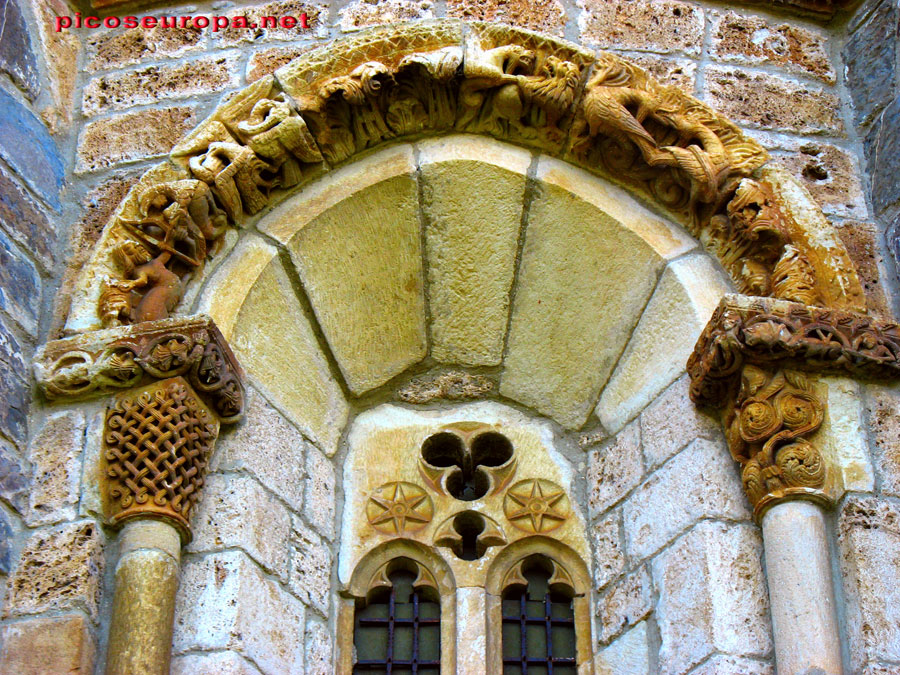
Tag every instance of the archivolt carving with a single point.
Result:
(776, 333)
(429, 77)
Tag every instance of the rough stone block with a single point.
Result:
(681, 73)
(317, 18)
(62, 644)
(884, 428)
(6, 552)
(13, 481)
(361, 264)
(700, 482)
(25, 221)
(225, 602)
(269, 447)
(625, 603)
(16, 54)
(151, 84)
(733, 665)
(831, 175)
(15, 394)
(580, 255)
(56, 456)
(615, 470)
(771, 102)
(319, 649)
(318, 506)
(655, 26)
(271, 331)
(609, 554)
(132, 136)
(363, 13)
(712, 597)
(629, 654)
(20, 286)
(117, 48)
(59, 568)
(755, 40)
(217, 663)
(60, 51)
(235, 511)
(672, 421)
(685, 298)
(267, 61)
(29, 150)
(869, 543)
(310, 576)
(546, 16)
(882, 145)
(861, 240)
(472, 194)
(870, 60)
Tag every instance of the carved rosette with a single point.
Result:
(767, 429)
(121, 358)
(157, 443)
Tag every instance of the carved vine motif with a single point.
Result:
(776, 333)
(157, 444)
(399, 507)
(122, 358)
(536, 505)
(765, 428)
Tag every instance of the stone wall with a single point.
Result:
(85, 112)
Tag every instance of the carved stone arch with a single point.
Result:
(601, 113)
(366, 571)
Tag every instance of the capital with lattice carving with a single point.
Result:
(156, 447)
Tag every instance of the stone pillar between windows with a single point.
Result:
(751, 362)
(181, 381)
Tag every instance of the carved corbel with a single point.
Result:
(748, 363)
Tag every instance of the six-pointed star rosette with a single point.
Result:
(536, 505)
(398, 507)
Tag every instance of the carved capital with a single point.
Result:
(768, 426)
(156, 446)
(776, 333)
(112, 359)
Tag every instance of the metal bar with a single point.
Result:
(548, 633)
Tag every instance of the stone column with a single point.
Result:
(748, 361)
(800, 590)
(180, 382)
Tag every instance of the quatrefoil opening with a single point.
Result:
(470, 467)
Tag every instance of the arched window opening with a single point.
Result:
(538, 621)
(398, 628)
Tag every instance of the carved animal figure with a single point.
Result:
(492, 69)
(236, 174)
(143, 271)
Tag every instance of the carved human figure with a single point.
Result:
(161, 286)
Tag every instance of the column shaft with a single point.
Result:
(800, 589)
(140, 632)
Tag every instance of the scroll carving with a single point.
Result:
(125, 357)
(157, 443)
(774, 333)
(766, 428)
